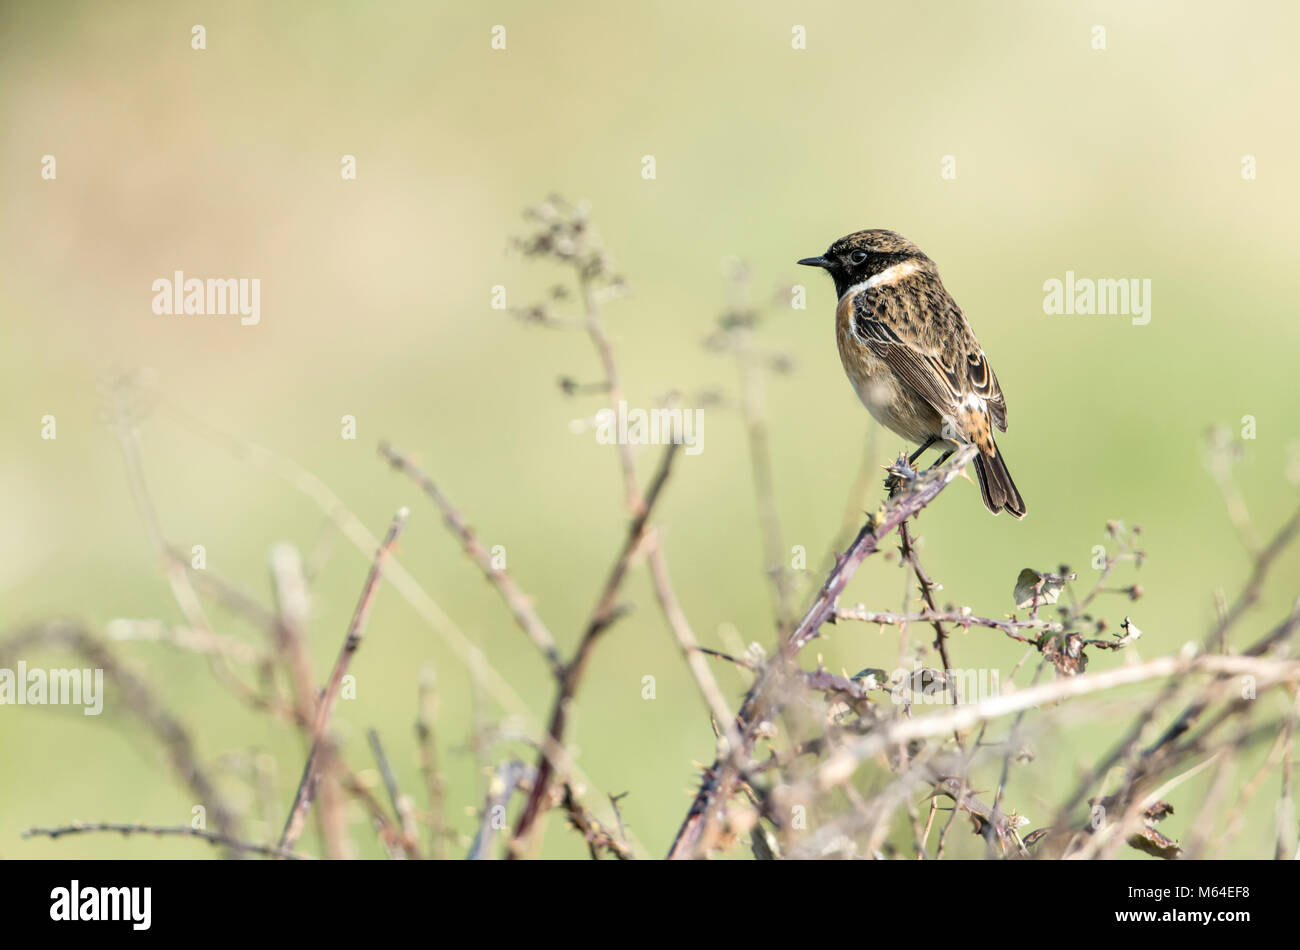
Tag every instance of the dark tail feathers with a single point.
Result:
(996, 486)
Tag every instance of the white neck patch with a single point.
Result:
(890, 275)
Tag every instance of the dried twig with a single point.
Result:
(185, 831)
(698, 829)
(137, 695)
(1267, 672)
(325, 708)
(958, 618)
(681, 627)
(593, 832)
(403, 810)
(520, 604)
(424, 731)
(508, 777)
(604, 614)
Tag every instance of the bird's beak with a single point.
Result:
(815, 262)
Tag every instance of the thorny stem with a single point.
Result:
(700, 826)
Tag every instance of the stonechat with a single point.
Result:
(912, 357)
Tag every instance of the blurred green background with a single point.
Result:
(375, 302)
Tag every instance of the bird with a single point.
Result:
(912, 357)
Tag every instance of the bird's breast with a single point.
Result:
(890, 401)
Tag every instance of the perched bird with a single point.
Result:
(912, 357)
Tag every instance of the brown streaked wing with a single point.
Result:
(924, 372)
(942, 379)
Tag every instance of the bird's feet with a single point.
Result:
(900, 472)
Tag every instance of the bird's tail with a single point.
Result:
(999, 491)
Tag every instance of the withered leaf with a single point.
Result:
(1065, 652)
(1033, 588)
(1155, 844)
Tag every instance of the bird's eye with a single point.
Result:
(858, 257)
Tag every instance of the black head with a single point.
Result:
(864, 254)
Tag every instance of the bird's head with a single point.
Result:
(860, 256)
